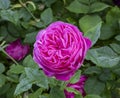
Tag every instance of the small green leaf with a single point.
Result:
(106, 32)
(44, 96)
(116, 69)
(91, 26)
(10, 92)
(16, 6)
(2, 68)
(2, 80)
(10, 15)
(49, 2)
(72, 90)
(88, 22)
(77, 7)
(4, 88)
(93, 70)
(17, 69)
(55, 92)
(24, 85)
(36, 94)
(117, 37)
(47, 16)
(113, 15)
(28, 61)
(76, 77)
(85, 1)
(92, 96)
(4, 4)
(93, 86)
(115, 47)
(78, 96)
(37, 76)
(97, 7)
(39, 24)
(106, 75)
(29, 36)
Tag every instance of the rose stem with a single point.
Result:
(8, 54)
(24, 5)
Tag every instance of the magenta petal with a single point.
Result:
(88, 42)
(64, 77)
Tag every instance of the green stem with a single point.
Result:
(24, 5)
(8, 55)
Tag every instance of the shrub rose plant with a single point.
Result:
(59, 48)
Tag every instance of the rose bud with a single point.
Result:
(116, 2)
(16, 50)
(78, 86)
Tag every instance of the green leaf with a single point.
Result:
(10, 15)
(116, 69)
(1, 38)
(49, 2)
(13, 30)
(4, 88)
(98, 6)
(91, 26)
(36, 94)
(84, 1)
(44, 96)
(28, 61)
(106, 32)
(106, 75)
(29, 36)
(106, 94)
(77, 7)
(55, 92)
(12, 77)
(76, 77)
(78, 96)
(17, 69)
(24, 85)
(47, 16)
(10, 92)
(39, 24)
(4, 4)
(2, 68)
(72, 90)
(3, 33)
(115, 47)
(92, 96)
(93, 86)
(113, 15)
(37, 76)
(117, 37)
(93, 70)
(2, 80)
(88, 22)
(103, 56)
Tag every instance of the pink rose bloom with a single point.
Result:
(60, 50)
(16, 50)
(78, 86)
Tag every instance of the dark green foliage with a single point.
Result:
(97, 19)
